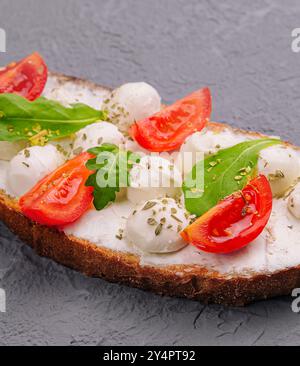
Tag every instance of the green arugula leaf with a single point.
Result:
(223, 173)
(111, 166)
(42, 120)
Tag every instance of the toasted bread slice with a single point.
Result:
(197, 282)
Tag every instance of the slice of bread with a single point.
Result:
(190, 281)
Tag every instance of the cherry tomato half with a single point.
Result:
(235, 221)
(26, 77)
(61, 197)
(167, 129)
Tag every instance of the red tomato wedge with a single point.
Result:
(26, 77)
(235, 221)
(61, 197)
(167, 129)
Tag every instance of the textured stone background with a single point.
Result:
(242, 50)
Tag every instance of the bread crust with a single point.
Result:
(188, 281)
(197, 283)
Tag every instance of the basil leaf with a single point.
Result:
(112, 167)
(42, 120)
(101, 196)
(223, 173)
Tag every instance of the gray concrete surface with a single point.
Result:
(242, 50)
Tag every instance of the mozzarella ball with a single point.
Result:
(9, 149)
(30, 165)
(64, 145)
(281, 165)
(133, 146)
(154, 226)
(209, 142)
(132, 102)
(96, 134)
(203, 143)
(294, 202)
(153, 177)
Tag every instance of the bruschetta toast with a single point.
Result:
(230, 236)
